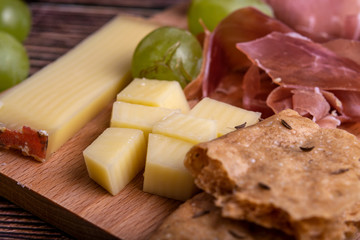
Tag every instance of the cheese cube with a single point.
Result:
(156, 93)
(165, 173)
(128, 115)
(116, 157)
(58, 100)
(187, 128)
(226, 115)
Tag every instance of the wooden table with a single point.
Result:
(58, 25)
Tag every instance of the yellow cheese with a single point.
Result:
(128, 115)
(187, 128)
(165, 174)
(116, 157)
(226, 115)
(156, 93)
(66, 94)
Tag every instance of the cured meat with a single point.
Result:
(345, 48)
(306, 102)
(257, 85)
(285, 69)
(313, 80)
(293, 61)
(222, 59)
(320, 20)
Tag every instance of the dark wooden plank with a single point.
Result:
(57, 28)
(15, 223)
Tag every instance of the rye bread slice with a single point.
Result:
(198, 218)
(286, 173)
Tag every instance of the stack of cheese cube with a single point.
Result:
(152, 126)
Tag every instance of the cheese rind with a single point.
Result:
(156, 93)
(128, 115)
(116, 157)
(66, 94)
(29, 141)
(187, 128)
(165, 174)
(226, 115)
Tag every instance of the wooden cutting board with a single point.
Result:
(60, 191)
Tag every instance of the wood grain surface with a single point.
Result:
(57, 27)
(81, 209)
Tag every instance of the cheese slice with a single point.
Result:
(58, 100)
(116, 157)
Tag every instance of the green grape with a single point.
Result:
(168, 53)
(15, 18)
(14, 61)
(211, 12)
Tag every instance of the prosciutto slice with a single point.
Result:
(257, 85)
(312, 79)
(223, 65)
(277, 68)
(294, 61)
(345, 48)
(320, 20)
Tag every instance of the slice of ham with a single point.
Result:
(294, 61)
(222, 62)
(345, 48)
(313, 80)
(257, 85)
(321, 20)
(284, 68)
(308, 103)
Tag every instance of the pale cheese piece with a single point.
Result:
(66, 94)
(116, 157)
(226, 115)
(186, 127)
(128, 115)
(156, 93)
(165, 174)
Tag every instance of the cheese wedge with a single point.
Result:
(228, 117)
(156, 93)
(58, 100)
(165, 173)
(115, 157)
(128, 115)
